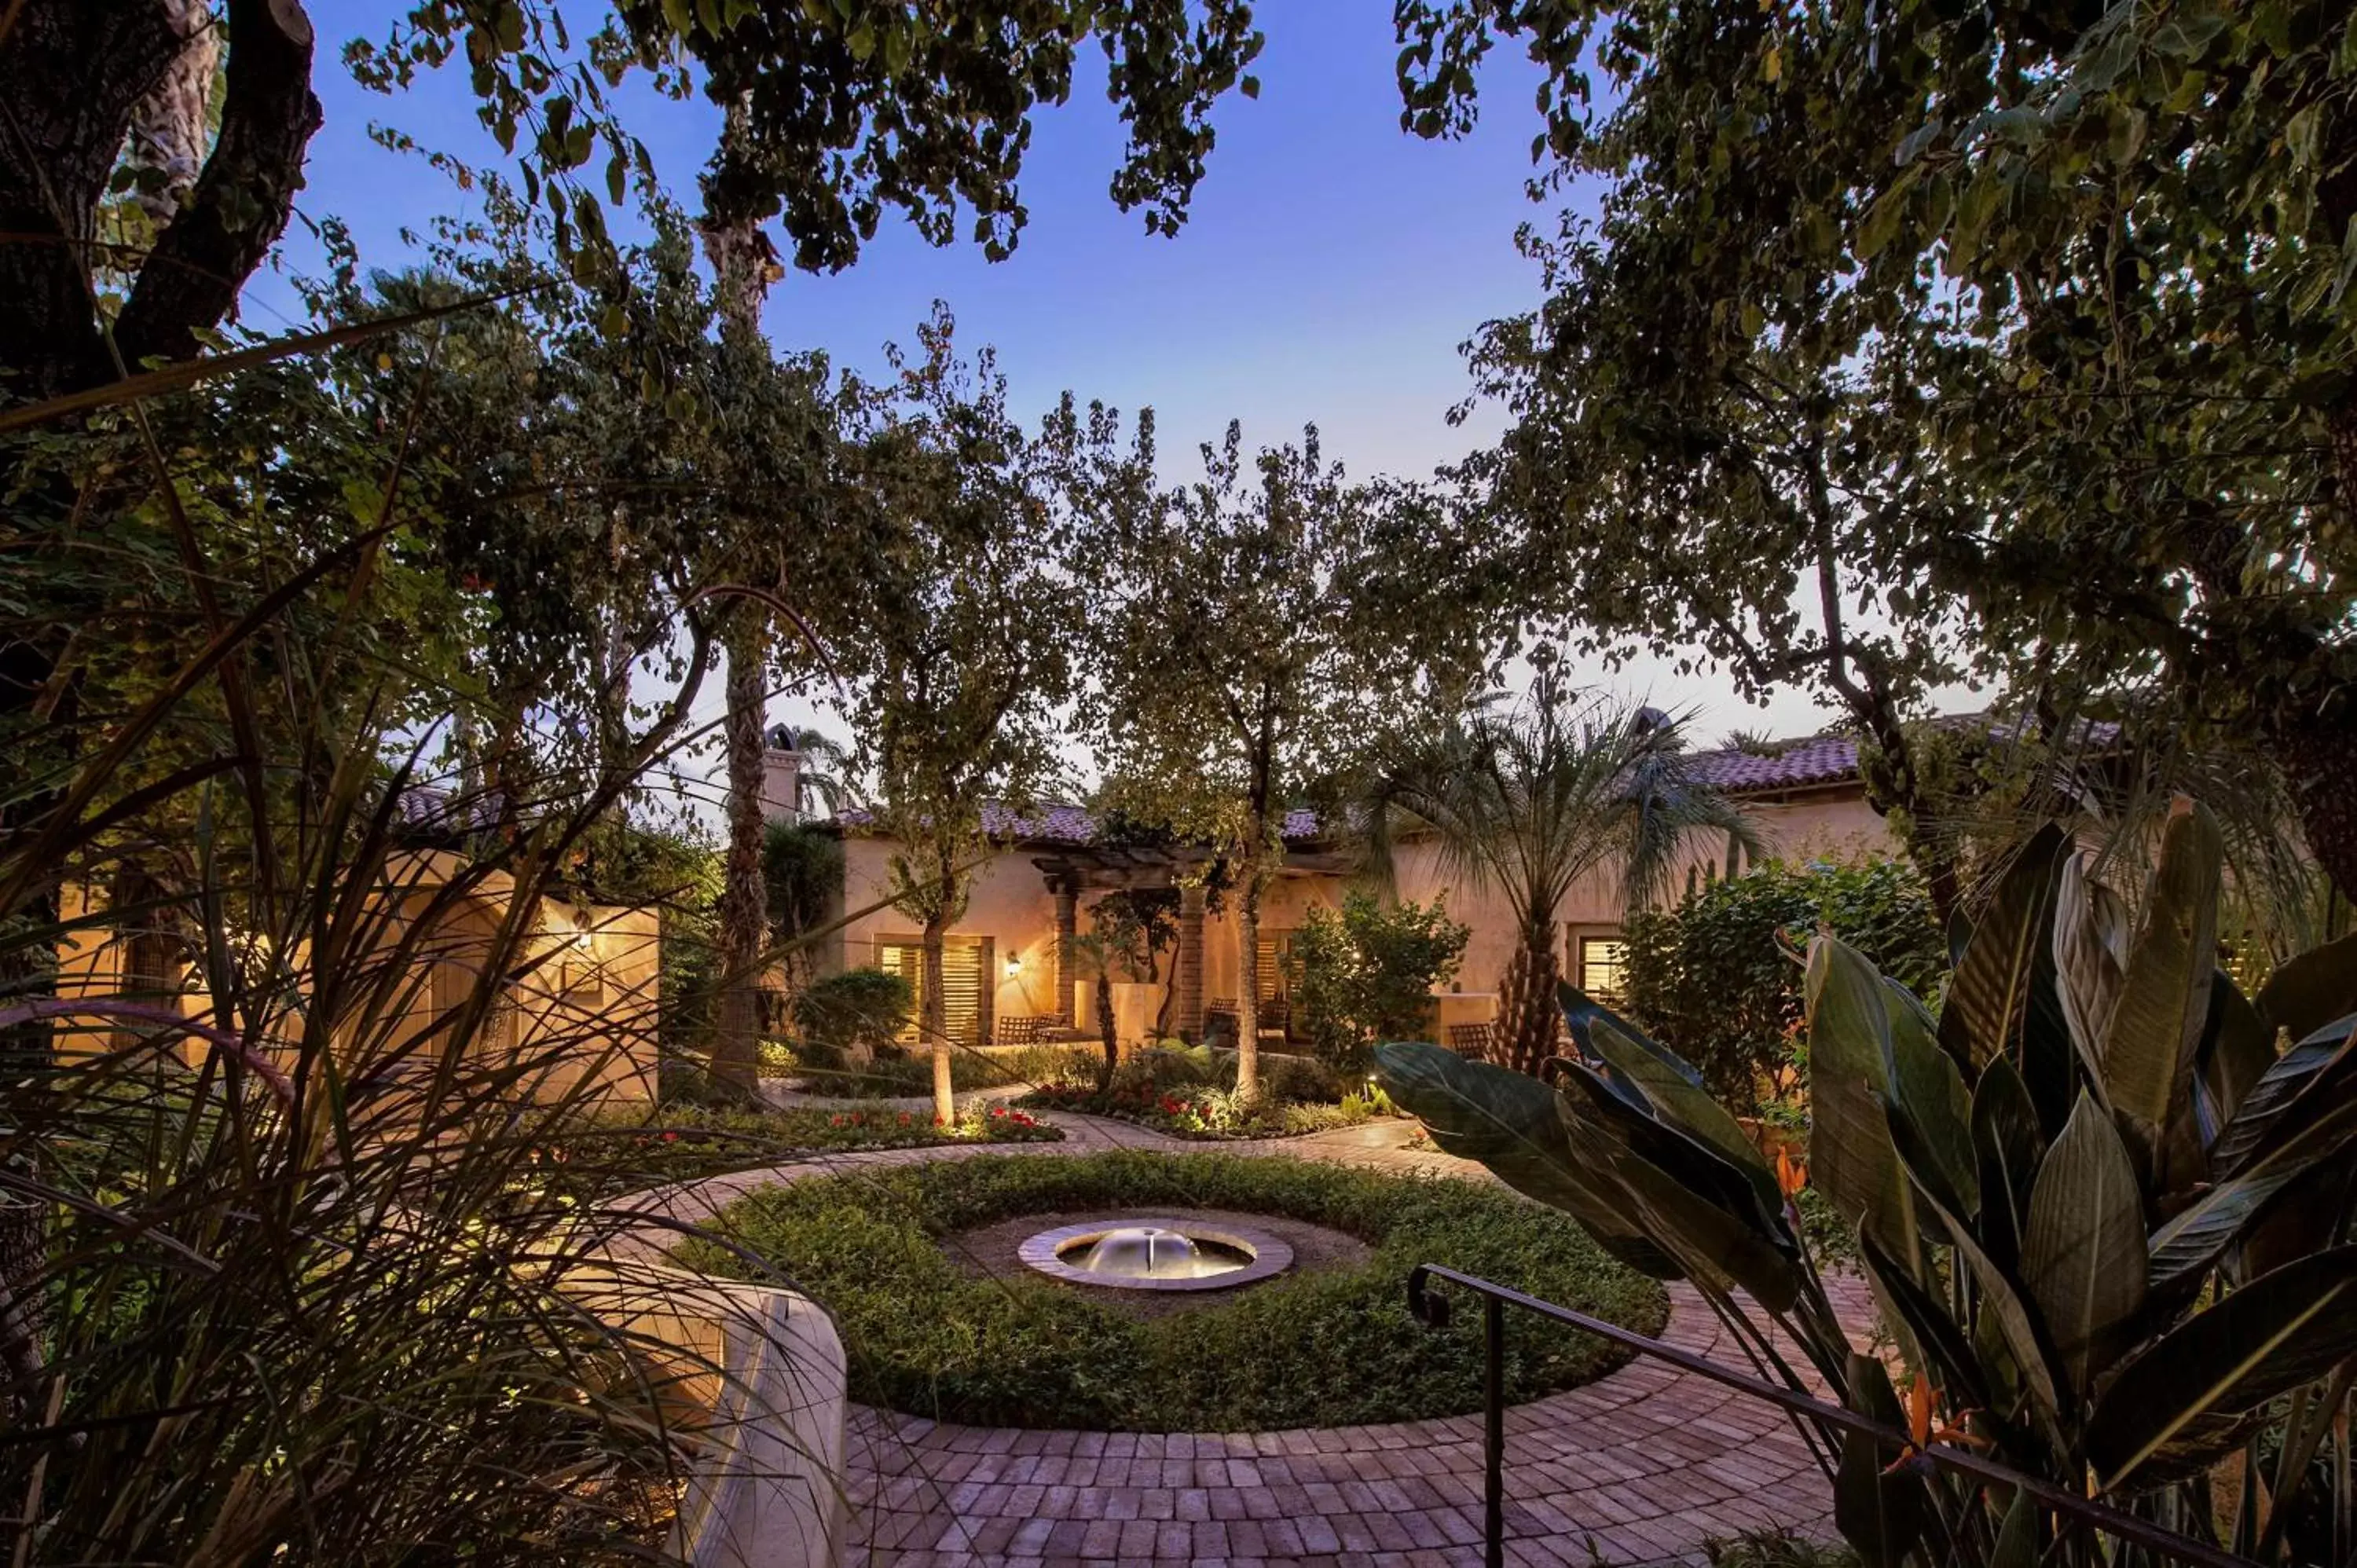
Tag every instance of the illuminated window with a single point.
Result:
(1600, 963)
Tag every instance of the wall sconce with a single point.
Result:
(1014, 964)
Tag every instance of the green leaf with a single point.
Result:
(1510, 1123)
(1938, 1349)
(2017, 1538)
(2001, 998)
(2007, 1147)
(2083, 1252)
(2188, 1244)
(2279, 1331)
(1930, 1112)
(2237, 1048)
(2165, 992)
(2312, 990)
(1672, 1088)
(2090, 946)
(2280, 1093)
(1850, 1152)
(1880, 1515)
(2001, 1306)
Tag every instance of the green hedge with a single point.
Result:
(1709, 978)
(1311, 1350)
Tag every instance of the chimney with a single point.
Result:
(781, 772)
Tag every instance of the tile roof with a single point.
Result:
(1818, 760)
(1057, 823)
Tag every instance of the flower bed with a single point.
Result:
(1210, 1115)
(928, 1336)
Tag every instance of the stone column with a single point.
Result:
(1067, 919)
(1189, 971)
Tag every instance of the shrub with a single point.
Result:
(928, 1338)
(905, 1077)
(1367, 973)
(638, 1146)
(855, 1014)
(1712, 978)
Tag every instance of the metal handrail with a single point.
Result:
(1433, 1311)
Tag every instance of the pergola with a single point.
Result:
(1072, 870)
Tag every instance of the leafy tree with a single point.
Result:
(1717, 977)
(1528, 802)
(966, 653)
(854, 1014)
(1248, 633)
(2050, 306)
(1367, 973)
(802, 874)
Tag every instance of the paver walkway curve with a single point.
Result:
(1642, 1465)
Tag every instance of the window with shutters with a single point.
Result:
(1602, 963)
(965, 985)
(1275, 953)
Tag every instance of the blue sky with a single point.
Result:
(1331, 268)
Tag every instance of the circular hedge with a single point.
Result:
(928, 1338)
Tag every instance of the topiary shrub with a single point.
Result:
(853, 1017)
(1712, 978)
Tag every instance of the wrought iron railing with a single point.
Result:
(1433, 1310)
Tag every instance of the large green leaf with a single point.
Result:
(2083, 1252)
(1509, 1123)
(2323, 1061)
(2009, 956)
(2090, 946)
(1694, 1164)
(1879, 1513)
(2007, 1147)
(1929, 1112)
(2165, 993)
(1674, 1089)
(2308, 991)
(1938, 1348)
(2237, 1048)
(2279, 1331)
(2186, 1246)
(1851, 1156)
(2002, 1305)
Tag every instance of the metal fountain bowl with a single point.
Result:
(1157, 1254)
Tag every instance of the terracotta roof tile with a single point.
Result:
(1795, 764)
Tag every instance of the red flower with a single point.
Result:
(671, 1137)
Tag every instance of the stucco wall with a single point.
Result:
(1011, 903)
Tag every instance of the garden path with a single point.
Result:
(1643, 1466)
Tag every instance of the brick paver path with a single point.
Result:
(1642, 1465)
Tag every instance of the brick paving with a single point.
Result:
(1642, 1465)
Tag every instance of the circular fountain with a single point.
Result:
(1158, 1255)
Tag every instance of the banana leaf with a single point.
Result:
(1851, 1156)
(2182, 1250)
(2237, 1048)
(1938, 1348)
(2091, 944)
(1509, 1123)
(2323, 1062)
(2281, 1330)
(1879, 1512)
(1694, 1164)
(2017, 1538)
(1930, 1112)
(2148, 1049)
(2083, 1252)
(2015, 1328)
(2308, 991)
(2002, 997)
(1671, 1088)
(2007, 1147)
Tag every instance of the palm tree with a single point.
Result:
(1527, 801)
(813, 787)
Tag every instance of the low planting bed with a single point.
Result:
(1208, 1115)
(651, 1145)
(932, 1335)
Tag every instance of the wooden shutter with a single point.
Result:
(965, 985)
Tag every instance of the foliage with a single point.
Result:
(856, 1015)
(1368, 972)
(2105, 1218)
(895, 1078)
(1336, 1347)
(629, 1148)
(1716, 977)
(1251, 630)
(801, 875)
(1190, 1091)
(1776, 1549)
(2023, 325)
(1527, 802)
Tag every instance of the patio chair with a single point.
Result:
(1471, 1041)
(1021, 1031)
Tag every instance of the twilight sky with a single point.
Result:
(1331, 268)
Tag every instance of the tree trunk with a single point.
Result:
(743, 900)
(2319, 762)
(1535, 1015)
(1248, 984)
(1105, 1030)
(933, 1021)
